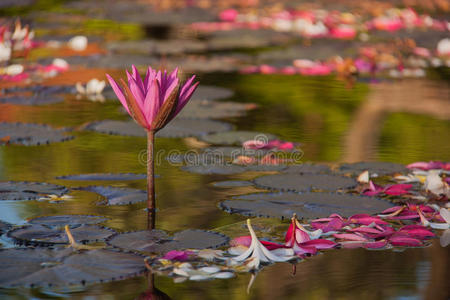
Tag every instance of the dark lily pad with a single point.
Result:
(104, 176)
(71, 220)
(157, 241)
(16, 190)
(159, 47)
(118, 196)
(304, 183)
(177, 128)
(49, 267)
(43, 235)
(233, 183)
(219, 169)
(33, 100)
(207, 92)
(380, 168)
(32, 134)
(234, 152)
(4, 227)
(307, 205)
(206, 109)
(235, 137)
(307, 168)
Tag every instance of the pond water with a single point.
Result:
(400, 121)
(316, 112)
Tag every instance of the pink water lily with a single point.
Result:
(152, 103)
(178, 255)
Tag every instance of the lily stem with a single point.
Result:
(151, 206)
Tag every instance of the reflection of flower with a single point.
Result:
(257, 252)
(93, 89)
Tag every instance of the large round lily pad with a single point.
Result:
(177, 128)
(104, 176)
(118, 196)
(219, 169)
(307, 168)
(48, 267)
(307, 205)
(31, 134)
(16, 190)
(205, 109)
(43, 235)
(157, 241)
(305, 182)
(32, 100)
(234, 152)
(71, 220)
(380, 168)
(235, 137)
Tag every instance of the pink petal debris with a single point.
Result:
(178, 255)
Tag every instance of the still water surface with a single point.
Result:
(320, 113)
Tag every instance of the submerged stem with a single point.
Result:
(151, 206)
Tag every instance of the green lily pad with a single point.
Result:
(307, 205)
(307, 168)
(305, 182)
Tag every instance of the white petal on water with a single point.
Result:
(445, 214)
(199, 277)
(439, 225)
(209, 270)
(180, 272)
(238, 250)
(223, 275)
(445, 238)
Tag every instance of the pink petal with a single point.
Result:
(138, 79)
(404, 241)
(349, 237)
(178, 255)
(375, 245)
(320, 244)
(301, 236)
(241, 241)
(118, 91)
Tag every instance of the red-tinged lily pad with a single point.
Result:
(177, 128)
(104, 176)
(380, 168)
(157, 241)
(305, 182)
(71, 220)
(18, 190)
(117, 196)
(307, 205)
(43, 267)
(42, 235)
(236, 137)
(32, 134)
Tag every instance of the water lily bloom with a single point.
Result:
(443, 47)
(152, 103)
(257, 252)
(93, 89)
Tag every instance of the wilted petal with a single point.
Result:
(320, 244)
(350, 237)
(405, 241)
(375, 245)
